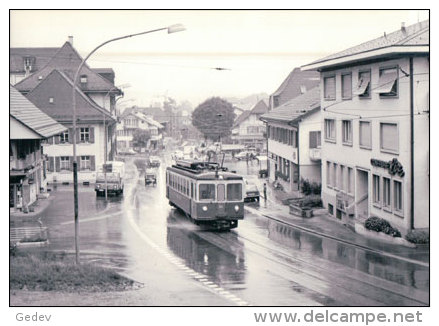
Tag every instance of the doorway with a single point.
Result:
(362, 195)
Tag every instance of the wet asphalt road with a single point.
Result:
(261, 263)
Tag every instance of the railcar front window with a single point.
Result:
(221, 192)
(207, 191)
(234, 191)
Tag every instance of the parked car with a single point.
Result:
(245, 154)
(251, 193)
(154, 161)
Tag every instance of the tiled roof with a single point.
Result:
(260, 108)
(157, 113)
(296, 82)
(416, 34)
(42, 57)
(295, 107)
(67, 60)
(59, 87)
(242, 117)
(148, 120)
(27, 113)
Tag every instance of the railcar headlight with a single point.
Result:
(98, 186)
(204, 208)
(236, 208)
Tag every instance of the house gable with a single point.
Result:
(53, 96)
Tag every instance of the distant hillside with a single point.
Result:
(247, 103)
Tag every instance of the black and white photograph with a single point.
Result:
(274, 163)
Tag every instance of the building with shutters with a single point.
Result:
(375, 146)
(248, 129)
(294, 139)
(49, 86)
(29, 126)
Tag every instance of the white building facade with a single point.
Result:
(375, 144)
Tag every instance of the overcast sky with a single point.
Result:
(259, 48)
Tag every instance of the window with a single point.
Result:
(363, 86)
(350, 181)
(397, 195)
(64, 137)
(83, 79)
(346, 86)
(315, 139)
(329, 88)
(84, 134)
(234, 191)
(388, 83)
(330, 129)
(389, 137)
(386, 192)
(85, 163)
(64, 163)
(221, 192)
(334, 177)
(365, 135)
(376, 189)
(341, 178)
(252, 130)
(207, 191)
(328, 174)
(347, 132)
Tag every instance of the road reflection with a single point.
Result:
(387, 268)
(218, 255)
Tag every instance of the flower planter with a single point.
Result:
(305, 212)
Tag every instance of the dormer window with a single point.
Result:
(51, 100)
(83, 79)
(302, 89)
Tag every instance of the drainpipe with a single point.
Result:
(412, 150)
(298, 155)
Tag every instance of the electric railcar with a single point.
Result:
(211, 196)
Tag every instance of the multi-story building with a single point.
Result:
(50, 88)
(133, 120)
(248, 129)
(27, 163)
(293, 140)
(375, 147)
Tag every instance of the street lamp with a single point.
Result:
(171, 29)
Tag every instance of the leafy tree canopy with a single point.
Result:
(214, 118)
(141, 137)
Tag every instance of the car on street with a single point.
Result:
(251, 193)
(154, 161)
(150, 177)
(245, 154)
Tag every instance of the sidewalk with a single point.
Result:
(325, 225)
(39, 206)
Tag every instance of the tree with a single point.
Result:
(214, 118)
(141, 137)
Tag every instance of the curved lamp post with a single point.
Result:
(171, 29)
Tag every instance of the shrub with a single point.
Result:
(418, 237)
(311, 201)
(381, 225)
(309, 188)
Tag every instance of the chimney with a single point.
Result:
(403, 27)
(71, 39)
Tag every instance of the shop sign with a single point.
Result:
(394, 166)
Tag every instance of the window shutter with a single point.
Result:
(92, 163)
(78, 135)
(71, 135)
(312, 139)
(57, 164)
(71, 163)
(51, 164)
(57, 139)
(92, 134)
